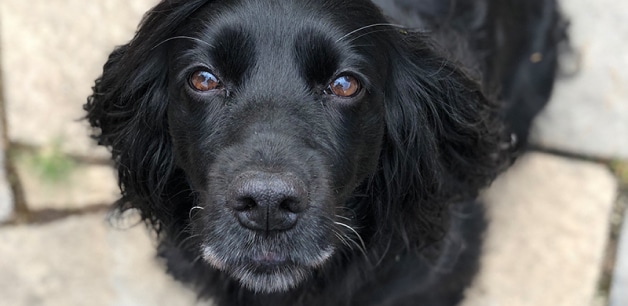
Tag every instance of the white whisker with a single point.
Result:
(182, 37)
(343, 217)
(192, 209)
(370, 26)
(355, 232)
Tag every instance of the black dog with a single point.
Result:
(316, 152)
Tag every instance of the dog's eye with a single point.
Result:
(203, 80)
(345, 86)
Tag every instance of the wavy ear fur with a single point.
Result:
(128, 111)
(444, 141)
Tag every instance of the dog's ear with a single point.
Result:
(444, 141)
(128, 110)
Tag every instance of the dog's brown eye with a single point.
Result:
(203, 80)
(345, 86)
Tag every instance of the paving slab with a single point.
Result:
(546, 240)
(73, 186)
(6, 197)
(619, 288)
(84, 261)
(52, 51)
(588, 113)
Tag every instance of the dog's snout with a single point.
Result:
(268, 201)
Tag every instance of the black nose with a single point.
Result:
(267, 201)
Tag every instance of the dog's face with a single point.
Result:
(277, 140)
(275, 122)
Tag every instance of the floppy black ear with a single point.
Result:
(128, 111)
(444, 141)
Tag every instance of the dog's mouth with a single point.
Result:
(267, 271)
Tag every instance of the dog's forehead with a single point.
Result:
(276, 22)
(278, 36)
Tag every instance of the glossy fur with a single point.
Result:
(361, 200)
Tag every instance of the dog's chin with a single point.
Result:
(279, 278)
(268, 272)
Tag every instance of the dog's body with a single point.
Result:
(305, 152)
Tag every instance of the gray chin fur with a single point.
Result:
(276, 279)
(279, 280)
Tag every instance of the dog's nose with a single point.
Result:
(268, 201)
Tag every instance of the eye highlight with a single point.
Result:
(203, 80)
(345, 86)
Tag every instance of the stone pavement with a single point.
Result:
(6, 198)
(589, 112)
(550, 215)
(547, 236)
(81, 260)
(619, 288)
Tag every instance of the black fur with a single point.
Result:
(271, 190)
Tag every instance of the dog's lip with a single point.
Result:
(264, 261)
(269, 259)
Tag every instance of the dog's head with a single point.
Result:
(276, 135)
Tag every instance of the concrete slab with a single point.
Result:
(52, 51)
(545, 244)
(588, 113)
(619, 288)
(6, 197)
(71, 186)
(82, 261)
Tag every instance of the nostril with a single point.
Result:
(244, 203)
(285, 205)
(291, 205)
